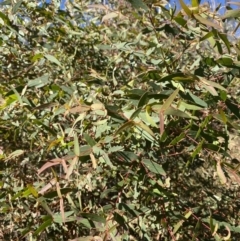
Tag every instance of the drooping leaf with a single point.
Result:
(185, 8)
(206, 21)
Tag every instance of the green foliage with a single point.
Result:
(118, 131)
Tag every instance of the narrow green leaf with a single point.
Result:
(16, 6)
(211, 90)
(232, 14)
(207, 36)
(195, 3)
(177, 139)
(149, 118)
(17, 95)
(169, 101)
(211, 223)
(135, 113)
(76, 145)
(184, 79)
(57, 217)
(129, 208)
(203, 125)
(225, 61)
(177, 226)
(144, 127)
(43, 226)
(33, 190)
(214, 84)
(184, 105)
(37, 57)
(39, 82)
(205, 21)
(125, 126)
(154, 167)
(180, 20)
(197, 150)
(176, 112)
(45, 206)
(5, 18)
(197, 100)
(223, 116)
(90, 141)
(185, 8)
(143, 100)
(233, 228)
(53, 59)
(171, 77)
(224, 38)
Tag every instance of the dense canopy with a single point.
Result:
(119, 124)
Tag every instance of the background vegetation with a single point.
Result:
(124, 130)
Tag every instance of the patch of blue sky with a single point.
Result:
(213, 3)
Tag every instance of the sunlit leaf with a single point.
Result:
(185, 8)
(235, 13)
(206, 21)
(169, 101)
(144, 127)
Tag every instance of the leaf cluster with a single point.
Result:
(120, 130)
